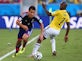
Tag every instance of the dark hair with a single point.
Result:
(65, 5)
(32, 7)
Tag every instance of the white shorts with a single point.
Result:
(50, 32)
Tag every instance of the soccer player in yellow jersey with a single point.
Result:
(53, 29)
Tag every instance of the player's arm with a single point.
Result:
(44, 6)
(38, 20)
(67, 31)
(21, 25)
(42, 30)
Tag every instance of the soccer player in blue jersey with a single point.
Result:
(25, 30)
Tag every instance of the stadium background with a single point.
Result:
(10, 11)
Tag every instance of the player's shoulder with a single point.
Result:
(24, 14)
(66, 13)
(62, 11)
(36, 17)
(56, 11)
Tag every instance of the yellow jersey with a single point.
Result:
(60, 17)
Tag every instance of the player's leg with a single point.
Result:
(37, 45)
(53, 34)
(25, 37)
(18, 44)
(25, 40)
(53, 45)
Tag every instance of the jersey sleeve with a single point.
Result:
(37, 18)
(20, 18)
(68, 19)
(54, 13)
(23, 16)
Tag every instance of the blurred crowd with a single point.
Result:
(47, 1)
(58, 1)
(79, 12)
(10, 1)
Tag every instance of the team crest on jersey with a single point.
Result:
(25, 20)
(32, 20)
(28, 23)
(64, 14)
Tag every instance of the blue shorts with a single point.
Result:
(22, 31)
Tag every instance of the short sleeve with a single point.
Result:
(37, 18)
(23, 16)
(68, 19)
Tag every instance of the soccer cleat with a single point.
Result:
(54, 53)
(22, 50)
(13, 56)
(16, 54)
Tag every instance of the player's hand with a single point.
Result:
(44, 4)
(66, 38)
(17, 22)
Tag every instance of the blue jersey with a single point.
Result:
(29, 23)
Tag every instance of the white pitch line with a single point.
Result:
(11, 52)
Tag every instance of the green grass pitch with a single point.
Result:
(71, 51)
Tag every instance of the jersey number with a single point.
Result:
(62, 21)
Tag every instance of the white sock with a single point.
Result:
(36, 48)
(53, 43)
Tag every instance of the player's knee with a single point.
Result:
(51, 37)
(25, 37)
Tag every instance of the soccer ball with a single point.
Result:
(38, 56)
